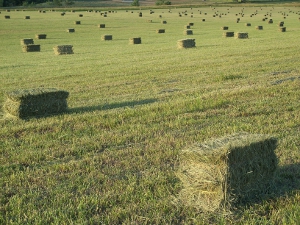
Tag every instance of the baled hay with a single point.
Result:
(164, 22)
(101, 25)
(135, 40)
(77, 22)
(259, 27)
(224, 28)
(221, 173)
(27, 17)
(40, 36)
(241, 35)
(31, 48)
(35, 102)
(63, 49)
(8, 10)
(186, 43)
(160, 31)
(62, 14)
(27, 41)
(71, 30)
(188, 32)
(7, 17)
(281, 24)
(80, 15)
(106, 37)
(270, 21)
(203, 20)
(228, 34)
(140, 14)
(248, 24)
(282, 29)
(191, 24)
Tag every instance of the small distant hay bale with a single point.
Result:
(281, 24)
(101, 25)
(188, 32)
(270, 21)
(8, 10)
(186, 43)
(224, 28)
(7, 17)
(27, 41)
(241, 35)
(106, 37)
(104, 15)
(164, 22)
(135, 41)
(259, 27)
(228, 34)
(41, 36)
(140, 14)
(219, 174)
(63, 49)
(35, 102)
(187, 27)
(263, 19)
(77, 22)
(191, 24)
(282, 29)
(160, 31)
(70, 30)
(248, 24)
(203, 20)
(27, 17)
(80, 15)
(31, 48)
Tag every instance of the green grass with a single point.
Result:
(112, 158)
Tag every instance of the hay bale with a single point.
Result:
(188, 32)
(241, 35)
(27, 17)
(106, 37)
(187, 27)
(203, 20)
(35, 102)
(77, 22)
(71, 30)
(224, 28)
(7, 17)
(31, 48)
(27, 41)
(101, 25)
(135, 41)
(164, 22)
(282, 29)
(62, 14)
(191, 24)
(160, 31)
(281, 24)
(221, 173)
(228, 34)
(140, 14)
(40, 36)
(63, 49)
(259, 27)
(186, 43)
(80, 15)
(248, 24)
(270, 21)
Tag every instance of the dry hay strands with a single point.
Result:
(241, 35)
(259, 27)
(282, 29)
(135, 41)
(188, 32)
(7, 17)
(41, 36)
(35, 102)
(164, 22)
(248, 24)
(160, 31)
(31, 48)
(101, 25)
(228, 34)
(219, 174)
(106, 37)
(71, 30)
(27, 17)
(63, 49)
(225, 28)
(77, 22)
(27, 41)
(186, 43)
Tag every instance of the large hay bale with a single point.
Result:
(80, 15)
(228, 34)
(221, 173)
(77, 22)
(282, 29)
(40, 36)
(241, 35)
(164, 22)
(7, 17)
(35, 102)
(31, 48)
(27, 41)
(63, 49)
(225, 28)
(71, 30)
(259, 27)
(281, 24)
(188, 32)
(248, 24)
(101, 25)
(135, 40)
(270, 21)
(27, 17)
(186, 43)
(106, 37)
(160, 31)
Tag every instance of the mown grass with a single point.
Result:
(112, 158)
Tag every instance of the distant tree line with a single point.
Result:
(9, 3)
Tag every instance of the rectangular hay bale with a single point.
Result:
(188, 32)
(40, 36)
(27, 41)
(35, 102)
(106, 37)
(186, 43)
(160, 31)
(228, 34)
(71, 30)
(31, 48)
(241, 35)
(220, 173)
(63, 49)
(134, 41)
(101, 25)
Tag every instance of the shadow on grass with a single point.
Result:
(110, 106)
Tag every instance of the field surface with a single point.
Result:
(112, 158)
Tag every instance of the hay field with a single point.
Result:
(112, 158)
